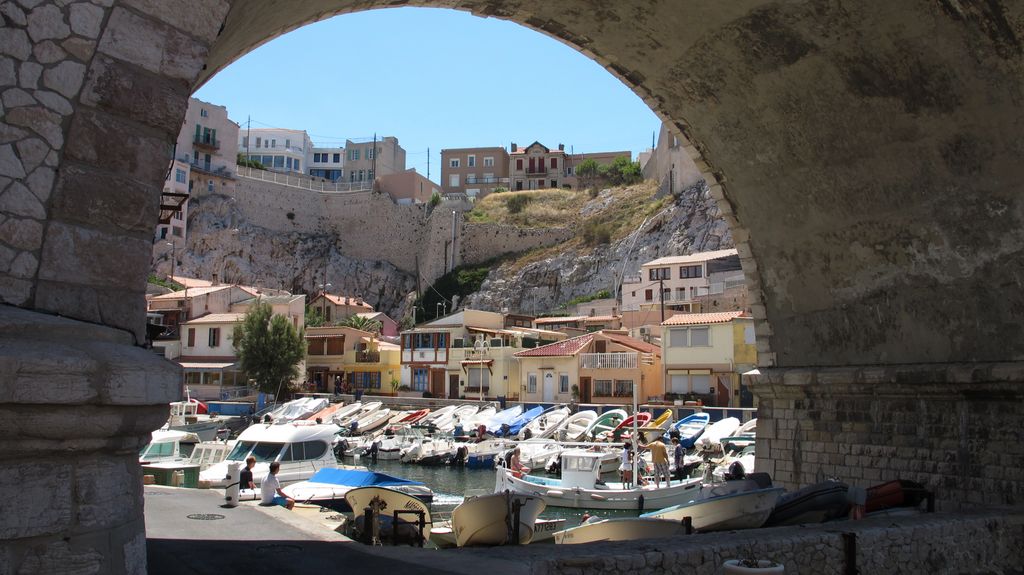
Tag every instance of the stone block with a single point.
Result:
(14, 291)
(19, 201)
(70, 255)
(40, 120)
(15, 42)
(154, 46)
(104, 200)
(59, 557)
(28, 75)
(119, 146)
(108, 491)
(65, 78)
(40, 183)
(48, 52)
(47, 23)
(10, 164)
(13, 13)
(114, 307)
(202, 20)
(87, 18)
(43, 505)
(32, 152)
(16, 97)
(79, 48)
(46, 372)
(136, 95)
(22, 233)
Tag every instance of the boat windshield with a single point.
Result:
(578, 464)
(165, 449)
(267, 451)
(241, 449)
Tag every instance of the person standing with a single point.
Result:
(659, 455)
(270, 490)
(678, 455)
(245, 476)
(626, 465)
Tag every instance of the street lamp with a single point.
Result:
(173, 258)
(323, 301)
(436, 315)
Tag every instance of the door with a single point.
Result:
(584, 390)
(453, 386)
(549, 387)
(437, 382)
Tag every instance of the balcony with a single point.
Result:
(492, 180)
(536, 171)
(633, 279)
(367, 357)
(608, 360)
(206, 142)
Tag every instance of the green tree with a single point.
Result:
(622, 172)
(314, 317)
(361, 323)
(435, 199)
(243, 161)
(587, 171)
(269, 349)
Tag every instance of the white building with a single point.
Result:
(174, 204)
(277, 149)
(678, 280)
(328, 163)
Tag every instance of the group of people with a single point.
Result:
(659, 456)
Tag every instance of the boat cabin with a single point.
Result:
(168, 446)
(301, 450)
(580, 468)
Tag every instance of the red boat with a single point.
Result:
(414, 416)
(626, 427)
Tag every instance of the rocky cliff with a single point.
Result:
(689, 223)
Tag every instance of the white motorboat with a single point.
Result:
(185, 416)
(578, 487)
(364, 410)
(711, 439)
(479, 418)
(620, 529)
(505, 416)
(459, 415)
(389, 447)
(443, 536)
(545, 424)
(429, 450)
(298, 409)
(328, 487)
(301, 450)
(372, 421)
(573, 427)
(739, 510)
(535, 453)
(168, 446)
(436, 417)
(487, 520)
(344, 413)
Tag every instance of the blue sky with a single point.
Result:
(434, 79)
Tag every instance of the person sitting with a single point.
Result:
(270, 490)
(245, 476)
(516, 465)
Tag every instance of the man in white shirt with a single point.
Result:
(270, 490)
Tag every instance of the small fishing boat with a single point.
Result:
(812, 504)
(572, 428)
(488, 520)
(605, 422)
(620, 529)
(579, 487)
(740, 510)
(443, 536)
(711, 439)
(387, 501)
(460, 414)
(326, 414)
(414, 416)
(345, 412)
(372, 421)
(623, 429)
(298, 409)
(743, 437)
(435, 417)
(543, 425)
(329, 486)
(364, 410)
(690, 428)
(479, 418)
(185, 416)
(517, 424)
(503, 417)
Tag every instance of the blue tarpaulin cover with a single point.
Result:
(358, 478)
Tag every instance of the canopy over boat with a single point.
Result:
(517, 424)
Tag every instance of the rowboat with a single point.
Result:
(712, 437)
(545, 424)
(572, 428)
(620, 529)
(739, 510)
(605, 422)
(690, 428)
(387, 501)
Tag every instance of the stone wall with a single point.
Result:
(954, 428)
(482, 242)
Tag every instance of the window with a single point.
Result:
(279, 161)
(353, 154)
(209, 185)
(453, 180)
(273, 143)
(257, 141)
(649, 295)
(623, 388)
(337, 158)
(554, 183)
(554, 163)
(471, 161)
(476, 376)
(690, 337)
(204, 113)
(369, 153)
(266, 451)
(288, 162)
(519, 164)
(603, 387)
(245, 141)
(488, 162)
(297, 168)
(690, 271)
(699, 337)
(420, 375)
(563, 383)
(453, 163)
(316, 157)
(531, 383)
(214, 339)
(177, 231)
(288, 144)
(179, 176)
(191, 337)
(659, 273)
(362, 175)
(365, 379)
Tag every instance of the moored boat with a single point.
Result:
(572, 428)
(690, 428)
(387, 501)
(517, 424)
(545, 424)
(812, 504)
(739, 510)
(620, 529)
(488, 520)
(605, 422)
(329, 486)
(301, 449)
(505, 416)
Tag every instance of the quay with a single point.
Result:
(254, 539)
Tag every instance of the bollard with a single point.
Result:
(231, 492)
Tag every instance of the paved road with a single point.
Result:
(250, 539)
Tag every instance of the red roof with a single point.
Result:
(704, 318)
(563, 348)
(637, 344)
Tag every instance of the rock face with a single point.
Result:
(692, 223)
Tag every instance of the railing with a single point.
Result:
(207, 142)
(304, 182)
(633, 279)
(536, 171)
(490, 180)
(608, 360)
(367, 357)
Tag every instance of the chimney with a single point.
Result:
(215, 281)
(514, 147)
(561, 147)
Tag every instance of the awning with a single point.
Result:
(481, 329)
(324, 336)
(468, 363)
(197, 365)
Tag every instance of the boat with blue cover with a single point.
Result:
(502, 417)
(327, 487)
(690, 429)
(517, 424)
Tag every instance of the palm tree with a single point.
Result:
(362, 323)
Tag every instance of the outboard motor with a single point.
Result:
(735, 471)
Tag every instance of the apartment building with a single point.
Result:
(536, 167)
(364, 161)
(327, 163)
(174, 206)
(706, 353)
(475, 172)
(336, 308)
(570, 179)
(670, 162)
(278, 149)
(408, 187)
(344, 358)
(676, 281)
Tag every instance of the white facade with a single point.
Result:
(327, 163)
(683, 278)
(277, 149)
(177, 183)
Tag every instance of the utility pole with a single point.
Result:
(428, 163)
(661, 290)
(248, 135)
(374, 164)
(453, 242)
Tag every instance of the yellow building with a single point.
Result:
(350, 359)
(705, 353)
(603, 366)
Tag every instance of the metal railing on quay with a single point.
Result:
(303, 182)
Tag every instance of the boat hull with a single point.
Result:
(744, 510)
(555, 495)
(484, 521)
(620, 529)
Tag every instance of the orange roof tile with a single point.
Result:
(703, 318)
(634, 343)
(564, 348)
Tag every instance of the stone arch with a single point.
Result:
(867, 155)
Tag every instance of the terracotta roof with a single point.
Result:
(564, 348)
(637, 344)
(692, 258)
(560, 319)
(345, 300)
(218, 318)
(192, 292)
(704, 318)
(600, 318)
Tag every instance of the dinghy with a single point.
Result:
(711, 439)
(479, 418)
(345, 412)
(436, 417)
(690, 428)
(544, 425)
(443, 536)
(517, 424)
(572, 428)
(460, 414)
(812, 504)
(605, 422)
(329, 486)
(622, 430)
(364, 410)
(620, 529)
(372, 421)
(487, 520)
